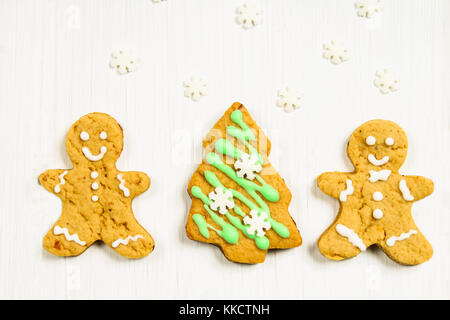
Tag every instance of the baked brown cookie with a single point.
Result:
(375, 199)
(96, 196)
(239, 202)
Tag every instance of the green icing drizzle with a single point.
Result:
(229, 232)
(201, 224)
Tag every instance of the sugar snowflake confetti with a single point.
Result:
(195, 88)
(258, 222)
(123, 61)
(247, 165)
(248, 15)
(368, 8)
(386, 81)
(335, 52)
(222, 199)
(289, 99)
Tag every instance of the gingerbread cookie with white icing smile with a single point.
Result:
(376, 200)
(96, 196)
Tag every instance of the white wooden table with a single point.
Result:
(54, 58)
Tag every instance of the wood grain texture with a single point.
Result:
(54, 57)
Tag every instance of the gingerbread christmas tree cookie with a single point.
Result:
(239, 202)
(375, 199)
(96, 196)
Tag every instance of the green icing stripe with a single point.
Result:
(201, 224)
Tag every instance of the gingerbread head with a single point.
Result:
(378, 144)
(95, 138)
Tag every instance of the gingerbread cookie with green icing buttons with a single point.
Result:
(96, 197)
(376, 200)
(239, 202)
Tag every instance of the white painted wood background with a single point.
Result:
(54, 58)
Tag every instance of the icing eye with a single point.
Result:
(370, 140)
(103, 135)
(389, 141)
(84, 136)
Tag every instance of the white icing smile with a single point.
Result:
(373, 160)
(87, 153)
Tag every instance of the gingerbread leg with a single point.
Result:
(126, 236)
(340, 242)
(409, 247)
(71, 235)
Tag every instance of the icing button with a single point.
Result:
(377, 196)
(94, 174)
(94, 186)
(95, 198)
(377, 214)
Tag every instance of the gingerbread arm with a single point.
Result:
(333, 183)
(414, 188)
(136, 182)
(53, 180)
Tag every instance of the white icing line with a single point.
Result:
(373, 160)
(379, 175)
(405, 191)
(122, 187)
(74, 237)
(391, 241)
(87, 153)
(351, 236)
(346, 192)
(120, 241)
(61, 182)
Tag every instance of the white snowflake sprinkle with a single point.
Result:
(368, 8)
(289, 99)
(123, 61)
(386, 81)
(195, 88)
(248, 16)
(221, 199)
(335, 52)
(247, 165)
(258, 222)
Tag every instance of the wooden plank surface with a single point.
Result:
(54, 58)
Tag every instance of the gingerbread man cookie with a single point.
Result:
(375, 199)
(239, 201)
(96, 196)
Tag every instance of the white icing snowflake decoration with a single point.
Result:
(221, 199)
(195, 88)
(258, 222)
(248, 16)
(335, 52)
(368, 8)
(289, 99)
(247, 165)
(386, 81)
(123, 61)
